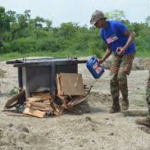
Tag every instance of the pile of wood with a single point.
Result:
(45, 105)
(70, 92)
(42, 104)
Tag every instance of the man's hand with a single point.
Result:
(100, 61)
(120, 51)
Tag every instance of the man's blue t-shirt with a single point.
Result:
(114, 36)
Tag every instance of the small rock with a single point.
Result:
(111, 133)
(93, 141)
(22, 136)
(81, 145)
(93, 129)
(88, 119)
(145, 129)
(25, 130)
(11, 125)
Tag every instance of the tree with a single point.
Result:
(116, 15)
(4, 20)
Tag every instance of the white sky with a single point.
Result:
(78, 11)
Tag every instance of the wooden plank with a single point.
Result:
(37, 104)
(34, 99)
(70, 84)
(58, 110)
(13, 113)
(14, 99)
(59, 89)
(63, 100)
(47, 96)
(43, 97)
(46, 109)
(35, 113)
(46, 102)
(76, 101)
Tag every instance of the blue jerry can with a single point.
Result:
(94, 67)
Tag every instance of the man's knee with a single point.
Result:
(122, 76)
(113, 78)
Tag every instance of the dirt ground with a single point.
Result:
(97, 130)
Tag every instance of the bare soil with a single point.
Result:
(97, 130)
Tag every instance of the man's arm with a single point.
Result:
(130, 39)
(127, 33)
(108, 53)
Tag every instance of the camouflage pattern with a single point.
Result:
(120, 68)
(148, 93)
(146, 121)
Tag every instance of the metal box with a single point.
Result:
(40, 74)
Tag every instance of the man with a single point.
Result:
(146, 121)
(120, 43)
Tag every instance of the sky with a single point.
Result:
(78, 11)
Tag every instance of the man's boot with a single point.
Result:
(125, 104)
(115, 107)
(145, 121)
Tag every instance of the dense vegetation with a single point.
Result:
(24, 36)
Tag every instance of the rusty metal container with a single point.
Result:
(40, 74)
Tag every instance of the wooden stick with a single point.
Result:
(76, 101)
(14, 99)
(63, 100)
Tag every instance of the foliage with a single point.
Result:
(23, 36)
(116, 15)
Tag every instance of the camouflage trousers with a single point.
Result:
(120, 68)
(148, 93)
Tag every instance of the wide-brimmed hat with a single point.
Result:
(96, 16)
